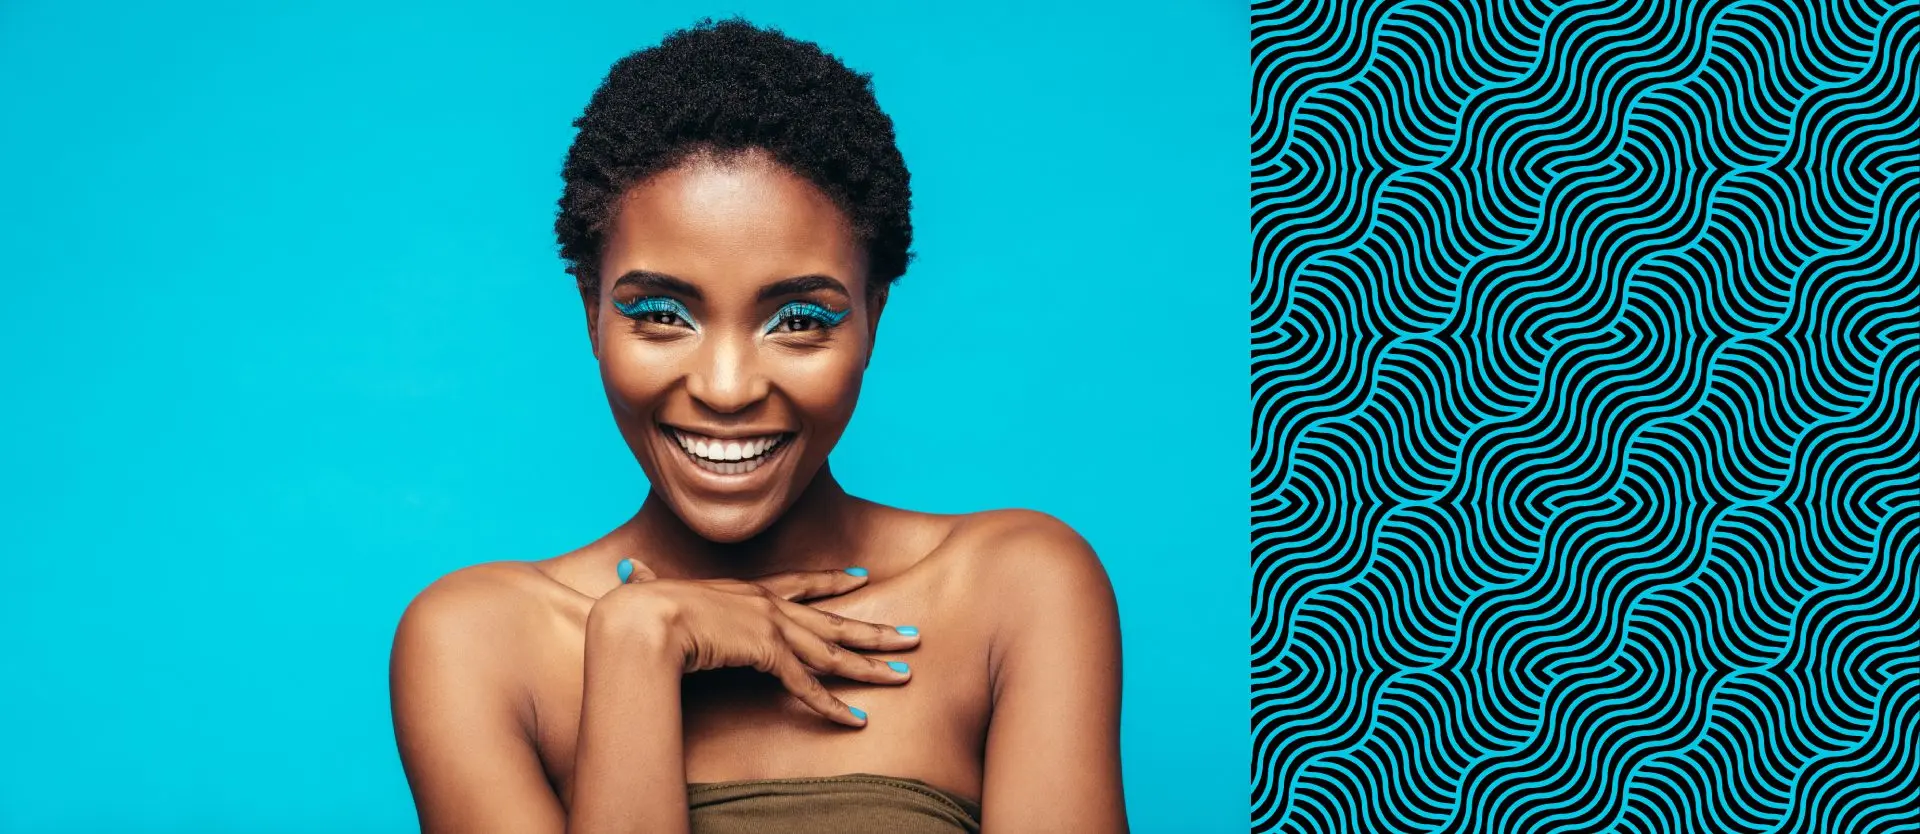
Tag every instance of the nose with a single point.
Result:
(726, 376)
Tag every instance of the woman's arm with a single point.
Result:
(1053, 742)
(469, 760)
(630, 769)
(457, 709)
(629, 764)
(457, 700)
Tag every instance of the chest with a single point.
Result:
(740, 724)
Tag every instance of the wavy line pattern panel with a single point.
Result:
(1586, 398)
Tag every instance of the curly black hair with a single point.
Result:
(723, 88)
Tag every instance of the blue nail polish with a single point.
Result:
(897, 666)
(626, 569)
(857, 571)
(907, 630)
(858, 713)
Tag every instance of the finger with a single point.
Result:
(830, 659)
(807, 688)
(854, 634)
(633, 570)
(795, 586)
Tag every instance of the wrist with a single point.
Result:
(637, 626)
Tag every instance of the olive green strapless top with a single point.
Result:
(856, 803)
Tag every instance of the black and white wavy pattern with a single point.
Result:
(1586, 398)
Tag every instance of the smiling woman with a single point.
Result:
(756, 649)
(750, 319)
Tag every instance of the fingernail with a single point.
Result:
(857, 571)
(897, 666)
(858, 713)
(626, 569)
(907, 630)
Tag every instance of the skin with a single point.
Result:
(550, 696)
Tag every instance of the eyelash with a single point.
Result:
(805, 312)
(644, 309)
(649, 309)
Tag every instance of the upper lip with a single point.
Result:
(735, 434)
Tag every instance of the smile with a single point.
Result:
(729, 456)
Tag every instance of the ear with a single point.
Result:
(590, 298)
(876, 304)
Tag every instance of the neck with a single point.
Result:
(816, 533)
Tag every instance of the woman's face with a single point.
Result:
(732, 328)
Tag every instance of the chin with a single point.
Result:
(724, 523)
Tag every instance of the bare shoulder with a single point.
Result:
(1028, 560)
(477, 595)
(464, 656)
(1021, 540)
(481, 619)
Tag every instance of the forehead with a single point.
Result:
(742, 222)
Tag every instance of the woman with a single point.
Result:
(755, 649)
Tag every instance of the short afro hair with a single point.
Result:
(722, 88)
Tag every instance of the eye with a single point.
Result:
(804, 316)
(656, 309)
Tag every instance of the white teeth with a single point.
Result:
(726, 457)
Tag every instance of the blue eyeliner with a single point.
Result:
(656, 304)
(807, 310)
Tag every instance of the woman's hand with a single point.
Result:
(759, 623)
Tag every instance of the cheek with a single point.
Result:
(823, 387)
(635, 376)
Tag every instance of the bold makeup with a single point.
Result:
(798, 315)
(657, 309)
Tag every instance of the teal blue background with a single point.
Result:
(286, 338)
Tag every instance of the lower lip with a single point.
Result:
(732, 471)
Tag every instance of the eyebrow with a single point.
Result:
(802, 284)
(659, 282)
(649, 281)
